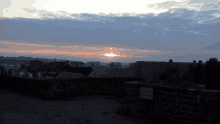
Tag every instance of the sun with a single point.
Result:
(111, 54)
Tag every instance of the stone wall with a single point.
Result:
(178, 104)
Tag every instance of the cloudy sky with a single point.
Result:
(109, 30)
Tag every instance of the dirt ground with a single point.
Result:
(21, 109)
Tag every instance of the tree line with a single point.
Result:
(207, 73)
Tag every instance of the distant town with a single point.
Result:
(42, 68)
(28, 67)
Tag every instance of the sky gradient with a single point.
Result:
(111, 31)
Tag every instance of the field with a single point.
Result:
(17, 108)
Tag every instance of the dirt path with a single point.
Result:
(16, 108)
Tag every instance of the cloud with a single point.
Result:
(198, 5)
(166, 29)
(15, 8)
(215, 46)
(51, 9)
(204, 10)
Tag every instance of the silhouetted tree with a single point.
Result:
(132, 64)
(189, 74)
(170, 60)
(212, 69)
(34, 64)
(200, 61)
(199, 73)
(170, 73)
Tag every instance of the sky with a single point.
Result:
(111, 31)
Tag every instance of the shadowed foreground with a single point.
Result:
(17, 108)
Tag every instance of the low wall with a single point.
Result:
(178, 104)
(51, 88)
(33, 87)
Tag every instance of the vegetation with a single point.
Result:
(197, 72)
(211, 72)
(204, 73)
(207, 73)
(116, 71)
(170, 73)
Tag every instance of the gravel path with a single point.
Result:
(19, 109)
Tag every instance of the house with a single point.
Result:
(53, 69)
(48, 69)
(7, 71)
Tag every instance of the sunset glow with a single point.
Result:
(111, 54)
(69, 50)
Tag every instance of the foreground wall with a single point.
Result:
(168, 103)
(176, 104)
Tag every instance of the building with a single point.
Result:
(7, 70)
(57, 69)
(48, 69)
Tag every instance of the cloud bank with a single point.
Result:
(98, 9)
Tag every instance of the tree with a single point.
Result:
(200, 61)
(170, 60)
(132, 64)
(189, 74)
(77, 64)
(34, 64)
(170, 73)
(199, 73)
(212, 69)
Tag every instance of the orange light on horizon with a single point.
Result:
(111, 54)
(105, 53)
